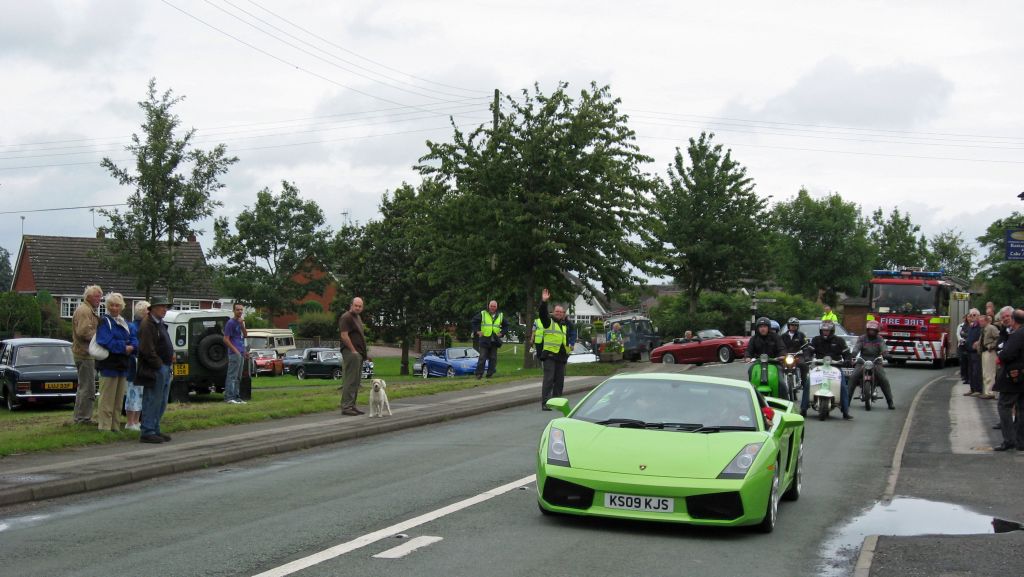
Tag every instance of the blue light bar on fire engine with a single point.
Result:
(907, 273)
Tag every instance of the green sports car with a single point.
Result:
(671, 447)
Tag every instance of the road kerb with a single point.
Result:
(867, 555)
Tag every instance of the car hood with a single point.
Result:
(48, 372)
(661, 453)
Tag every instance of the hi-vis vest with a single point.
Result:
(490, 325)
(555, 338)
(830, 316)
(538, 333)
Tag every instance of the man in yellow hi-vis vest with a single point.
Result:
(555, 348)
(829, 315)
(488, 329)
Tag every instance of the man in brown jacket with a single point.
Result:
(353, 353)
(987, 347)
(83, 326)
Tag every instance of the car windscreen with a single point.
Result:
(328, 355)
(256, 342)
(34, 355)
(264, 354)
(710, 334)
(459, 353)
(294, 354)
(652, 400)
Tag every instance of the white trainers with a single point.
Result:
(133, 427)
(234, 402)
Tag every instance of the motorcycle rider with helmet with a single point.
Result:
(795, 341)
(871, 346)
(764, 342)
(827, 344)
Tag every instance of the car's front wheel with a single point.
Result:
(301, 373)
(425, 371)
(724, 354)
(450, 373)
(668, 359)
(771, 513)
(336, 374)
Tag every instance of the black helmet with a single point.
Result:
(763, 321)
(793, 321)
(827, 327)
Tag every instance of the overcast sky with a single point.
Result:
(911, 104)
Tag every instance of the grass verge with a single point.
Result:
(45, 429)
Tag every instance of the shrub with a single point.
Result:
(312, 325)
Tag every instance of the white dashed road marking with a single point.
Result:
(367, 539)
(406, 548)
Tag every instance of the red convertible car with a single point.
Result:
(708, 347)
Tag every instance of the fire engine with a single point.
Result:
(918, 312)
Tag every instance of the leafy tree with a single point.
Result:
(378, 261)
(272, 259)
(822, 246)
(256, 321)
(173, 185)
(554, 187)
(897, 239)
(1003, 279)
(708, 230)
(51, 325)
(948, 250)
(314, 325)
(6, 270)
(787, 305)
(726, 312)
(19, 315)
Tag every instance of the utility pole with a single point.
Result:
(494, 125)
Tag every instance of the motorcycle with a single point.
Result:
(867, 383)
(791, 373)
(826, 386)
(764, 377)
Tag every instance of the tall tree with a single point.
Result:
(6, 270)
(709, 229)
(271, 259)
(948, 250)
(173, 185)
(1003, 279)
(554, 186)
(822, 246)
(898, 240)
(378, 261)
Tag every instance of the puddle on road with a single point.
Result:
(904, 516)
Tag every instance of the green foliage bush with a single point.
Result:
(312, 325)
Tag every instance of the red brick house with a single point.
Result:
(63, 266)
(324, 300)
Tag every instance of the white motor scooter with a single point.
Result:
(826, 386)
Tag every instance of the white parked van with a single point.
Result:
(280, 340)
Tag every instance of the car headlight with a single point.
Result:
(558, 454)
(741, 463)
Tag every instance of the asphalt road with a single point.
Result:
(262, 514)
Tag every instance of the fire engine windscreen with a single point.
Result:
(909, 299)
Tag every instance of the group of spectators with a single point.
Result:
(134, 363)
(992, 361)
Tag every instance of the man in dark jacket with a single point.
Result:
(1010, 386)
(554, 348)
(489, 327)
(156, 353)
(973, 357)
(827, 344)
(795, 341)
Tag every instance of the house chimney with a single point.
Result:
(192, 237)
(101, 233)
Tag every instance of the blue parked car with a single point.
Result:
(449, 362)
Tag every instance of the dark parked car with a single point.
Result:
(326, 364)
(449, 362)
(37, 371)
(292, 359)
(812, 328)
(709, 346)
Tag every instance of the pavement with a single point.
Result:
(38, 476)
(950, 488)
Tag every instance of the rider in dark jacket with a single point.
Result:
(765, 342)
(795, 341)
(869, 347)
(827, 344)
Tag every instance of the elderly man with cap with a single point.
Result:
(156, 353)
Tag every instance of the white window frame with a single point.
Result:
(187, 304)
(69, 304)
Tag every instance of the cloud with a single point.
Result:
(901, 95)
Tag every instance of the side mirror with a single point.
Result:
(559, 404)
(791, 420)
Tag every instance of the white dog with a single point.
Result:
(379, 398)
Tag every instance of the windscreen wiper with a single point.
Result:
(628, 423)
(719, 428)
